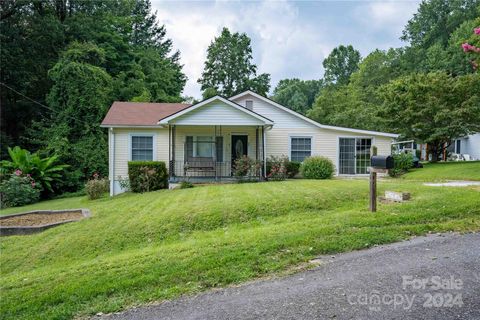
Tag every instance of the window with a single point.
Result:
(203, 147)
(300, 148)
(142, 148)
(249, 104)
(458, 144)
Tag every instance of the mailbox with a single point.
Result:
(382, 162)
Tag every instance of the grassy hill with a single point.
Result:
(138, 248)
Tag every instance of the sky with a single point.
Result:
(289, 39)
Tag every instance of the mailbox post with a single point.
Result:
(378, 164)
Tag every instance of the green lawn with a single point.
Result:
(446, 171)
(138, 248)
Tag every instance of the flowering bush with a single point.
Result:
(96, 187)
(472, 47)
(18, 190)
(317, 168)
(246, 167)
(45, 170)
(280, 168)
(277, 168)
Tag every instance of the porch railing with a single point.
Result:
(208, 170)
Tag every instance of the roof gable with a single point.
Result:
(216, 111)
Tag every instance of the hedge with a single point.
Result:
(145, 176)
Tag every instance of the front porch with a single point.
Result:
(208, 153)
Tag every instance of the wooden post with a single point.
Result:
(373, 190)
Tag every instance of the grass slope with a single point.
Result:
(446, 171)
(138, 248)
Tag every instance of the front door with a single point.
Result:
(239, 147)
(354, 155)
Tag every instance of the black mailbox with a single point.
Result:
(382, 162)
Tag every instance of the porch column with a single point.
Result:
(257, 147)
(173, 151)
(215, 151)
(169, 151)
(264, 151)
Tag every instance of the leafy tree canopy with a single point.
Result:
(340, 64)
(435, 20)
(433, 108)
(297, 94)
(229, 69)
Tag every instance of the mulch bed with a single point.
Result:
(40, 219)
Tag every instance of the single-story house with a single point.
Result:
(202, 141)
(466, 147)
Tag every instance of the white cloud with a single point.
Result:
(288, 39)
(389, 17)
(282, 44)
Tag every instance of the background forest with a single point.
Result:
(63, 62)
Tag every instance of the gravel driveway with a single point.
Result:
(434, 277)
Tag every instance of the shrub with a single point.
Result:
(317, 168)
(293, 168)
(186, 185)
(18, 190)
(246, 168)
(145, 176)
(277, 168)
(95, 188)
(124, 183)
(402, 163)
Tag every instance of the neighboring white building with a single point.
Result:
(469, 145)
(202, 141)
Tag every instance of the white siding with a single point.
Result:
(324, 141)
(280, 118)
(471, 145)
(122, 148)
(217, 113)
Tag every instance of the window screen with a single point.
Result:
(142, 148)
(301, 148)
(249, 104)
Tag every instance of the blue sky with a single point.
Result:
(289, 39)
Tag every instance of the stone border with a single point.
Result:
(24, 230)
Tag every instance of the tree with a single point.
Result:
(346, 106)
(33, 34)
(433, 108)
(79, 99)
(340, 64)
(297, 94)
(229, 69)
(435, 20)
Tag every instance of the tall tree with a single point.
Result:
(433, 108)
(79, 99)
(138, 54)
(229, 69)
(340, 64)
(435, 20)
(297, 94)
